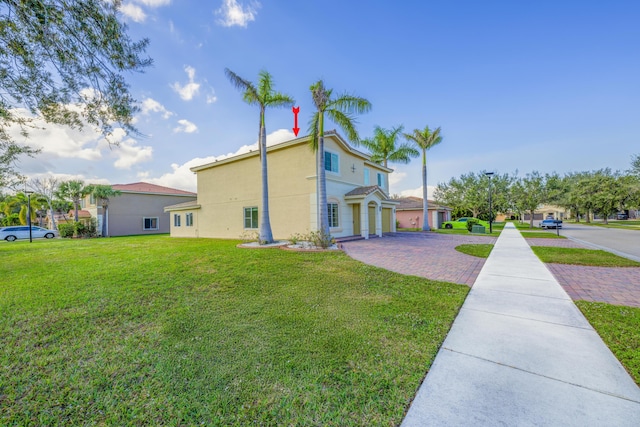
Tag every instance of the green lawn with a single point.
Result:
(629, 224)
(480, 250)
(619, 328)
(576, 256)
(160, 331)
(541, 234)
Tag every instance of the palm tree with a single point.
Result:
(383, 146)
(264, 96)
(102, 193)
(425, 139)
(340, 110)
(73, 190)
(18, 204)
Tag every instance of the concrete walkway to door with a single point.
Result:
(521, 353)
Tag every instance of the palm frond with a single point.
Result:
(370, 144)
(403, 154)
(320, 95)
(426, 138)
(313, 131)
(250, 93)
(346, 122)
(278, 100)
(265, 85)
(350, 104)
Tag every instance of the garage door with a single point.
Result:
(386, 220)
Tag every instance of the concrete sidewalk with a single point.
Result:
(521, 353)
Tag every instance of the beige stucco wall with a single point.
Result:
(183, 230)
(224, 191)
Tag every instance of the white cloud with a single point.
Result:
(154, 3)
(189, 90)
(396, 177)
(60, 141)
(185, 126)
(128, 153)
(182, 177)
(211, 98)
(417, 192)
(233, 13)
(150, 105)
(135, 13)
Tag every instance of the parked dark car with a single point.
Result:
(623, 215)
(551, 223)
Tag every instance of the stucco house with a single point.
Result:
(229, 193)
(139, 209)
(409, 213)
(547, 211)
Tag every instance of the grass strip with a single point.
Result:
(578, 256)
(480, 250)
(541, 235)
(619, 327)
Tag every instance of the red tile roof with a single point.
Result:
(145, 187)
(412, 203)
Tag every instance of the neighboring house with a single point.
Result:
(84, 216)
(547, 211)
(229, 193)
(409, 213)
(139, 209)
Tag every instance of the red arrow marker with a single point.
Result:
(296, 129)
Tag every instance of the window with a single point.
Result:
(189, 219)
(150, 223)
(92, 199)
(366, 176)
(333, 214)
(380, 180)
(331, 161)
(176, 220)
(251, 217)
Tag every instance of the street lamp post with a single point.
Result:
(29, 193)
(490, 174)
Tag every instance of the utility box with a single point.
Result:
(478, 229)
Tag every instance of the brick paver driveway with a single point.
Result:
(429, 255)
(613, 285)
(433, 256)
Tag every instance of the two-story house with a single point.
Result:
(229, 193)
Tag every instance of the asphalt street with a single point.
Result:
(621, 242)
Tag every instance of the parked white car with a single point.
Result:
(22, 232)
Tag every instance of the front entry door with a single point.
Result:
(356, 220)
(372, 220)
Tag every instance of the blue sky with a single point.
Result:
(546, 85)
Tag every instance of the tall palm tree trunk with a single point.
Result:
(425, 202)
(323, 226)
(76, 202)
(54, 226)
(266, 236)
(104, 220)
